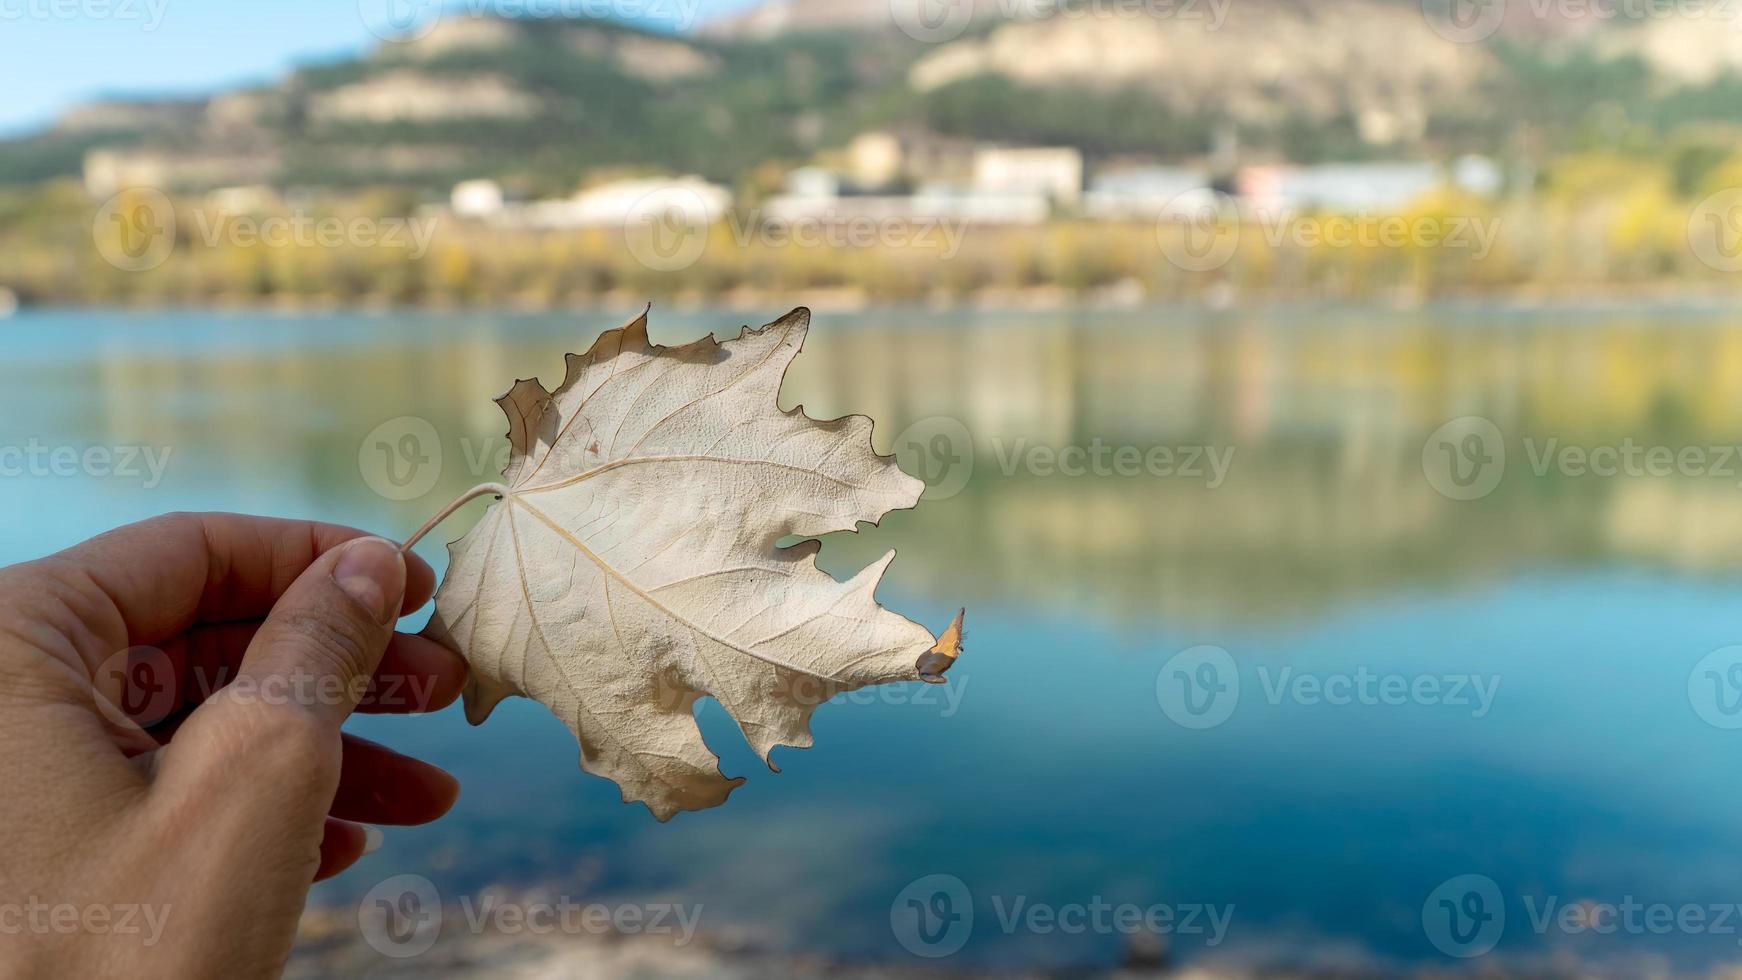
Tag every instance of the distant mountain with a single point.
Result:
(541, 104)
(782, 17)
(537, 103)
(799, 16)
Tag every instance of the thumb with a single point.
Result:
(243, 790)
(327, 633)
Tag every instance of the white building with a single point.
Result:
(1144, 193)
(814, 196)
(109, 172)
(813, 182)
(248, 199)
(881, 158)
(983, 206)
(1054, 172)
(1352, 187)
(689, 200)
(480, 199)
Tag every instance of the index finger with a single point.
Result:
(168, 573)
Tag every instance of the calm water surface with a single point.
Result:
(1560, 731)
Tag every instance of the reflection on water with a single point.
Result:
(1161, 461)
(1109, 489)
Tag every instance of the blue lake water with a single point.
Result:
(1521, 687)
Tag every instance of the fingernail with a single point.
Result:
(372, 838)
(372, 572)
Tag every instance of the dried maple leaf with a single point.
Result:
(632, 565)
(942, 656)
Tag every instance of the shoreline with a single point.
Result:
(1668, 298)
(330, 942)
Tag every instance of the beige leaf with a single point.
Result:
(631, 564)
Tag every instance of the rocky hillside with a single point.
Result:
(542, 104)
(1266, 66)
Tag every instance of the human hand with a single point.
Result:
(170, 701)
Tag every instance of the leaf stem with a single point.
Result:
(483, 490)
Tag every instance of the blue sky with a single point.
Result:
(54, 53)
